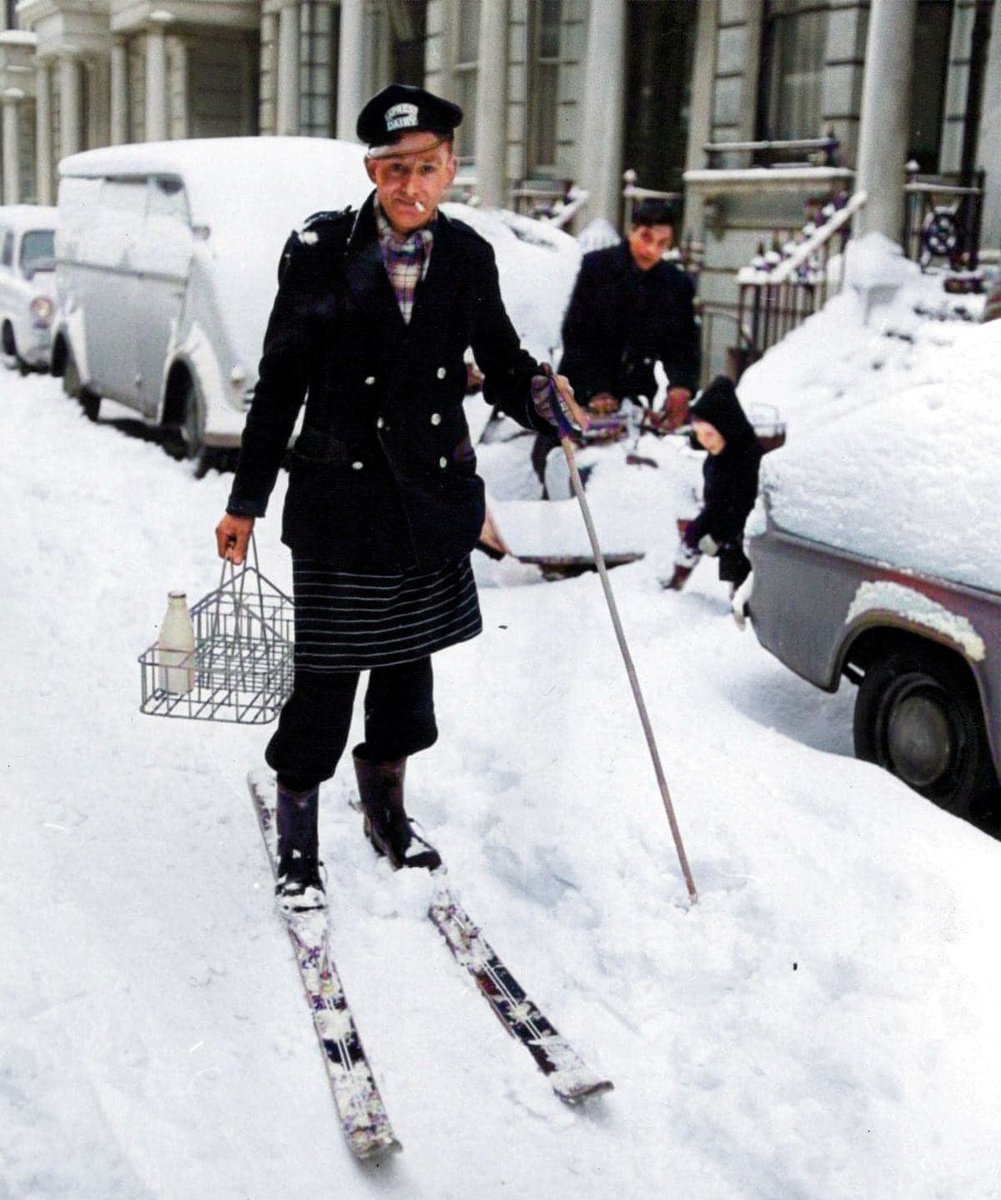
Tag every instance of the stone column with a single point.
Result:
(287, 98)
(178, 88)
(70, 102)
(989, 140)
(156, 84)
(491, 104)
(43, 133)
(884, 126)
(700, 112)
(119, 93)
(350, 68)
(12, 98)
(600, 147)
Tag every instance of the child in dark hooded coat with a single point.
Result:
(730, 486)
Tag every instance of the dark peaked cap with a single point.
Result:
(401, 108)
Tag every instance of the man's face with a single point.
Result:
(648, 243)
(411, 181)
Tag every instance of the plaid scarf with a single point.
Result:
(406, 260)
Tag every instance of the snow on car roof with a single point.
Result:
(220, 173)
(913, 477)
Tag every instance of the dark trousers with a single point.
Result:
(314, 725)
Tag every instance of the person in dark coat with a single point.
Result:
(374, 312)
(730, 486)
(630, 309)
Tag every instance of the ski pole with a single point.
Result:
(567, 443)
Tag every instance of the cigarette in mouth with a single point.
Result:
(420, 207)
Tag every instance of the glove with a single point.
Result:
(709, 545)
(544, 388)
(686, 556)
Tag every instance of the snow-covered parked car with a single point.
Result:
(166, 267)
(879, 561)
(27, 284)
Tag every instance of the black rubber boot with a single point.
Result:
(387, 826)
(299, 886)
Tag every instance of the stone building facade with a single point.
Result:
(703, 99)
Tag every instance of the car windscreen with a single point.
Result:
(38, 251)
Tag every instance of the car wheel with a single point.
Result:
(187, 434)
(89, 402)
(8, 343)
(917, 714)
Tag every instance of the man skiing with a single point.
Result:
(374, 312)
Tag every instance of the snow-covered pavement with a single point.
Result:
(821, 1025)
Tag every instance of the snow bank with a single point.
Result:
(821, 1025)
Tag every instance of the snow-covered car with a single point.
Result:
(27, 284)
(878, 560)
(166, 270)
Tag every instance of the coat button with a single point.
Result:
(442, 462)
(441, 372)
(357, 465)
(370, 380)
(436, 418)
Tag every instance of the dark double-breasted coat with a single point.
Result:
(622, 320)
(383, 474)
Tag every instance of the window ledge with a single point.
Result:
(708, 182)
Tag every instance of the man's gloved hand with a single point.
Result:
(709, 545)
(544, 387)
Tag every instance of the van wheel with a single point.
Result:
(917, 714)
(186, 437)
(89, 402)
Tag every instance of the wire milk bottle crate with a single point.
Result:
(240, 669)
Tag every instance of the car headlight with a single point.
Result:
(41, 310)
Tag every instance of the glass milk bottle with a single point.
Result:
(176, 646)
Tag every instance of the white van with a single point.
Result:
(27, 284)
(166, 261)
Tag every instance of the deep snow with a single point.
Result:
(820, 1025)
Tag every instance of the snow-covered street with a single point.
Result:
(820, 1025)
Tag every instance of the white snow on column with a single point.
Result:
(884, 127)
(600, 147)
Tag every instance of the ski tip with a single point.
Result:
(579, 1091)
(371, 1146)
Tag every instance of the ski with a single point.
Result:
(571, 1078)
(363, 1115)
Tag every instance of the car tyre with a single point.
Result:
(187, 436)
(9, 346)
(88, 400)
(917, 714)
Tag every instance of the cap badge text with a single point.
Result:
(401, 116)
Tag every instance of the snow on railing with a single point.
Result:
(779, 291)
